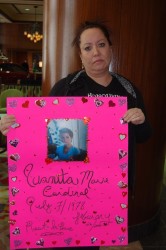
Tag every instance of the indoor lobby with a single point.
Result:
(36, 51)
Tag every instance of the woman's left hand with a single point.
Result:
(135, 116)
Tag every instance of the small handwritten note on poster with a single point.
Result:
(68, 165)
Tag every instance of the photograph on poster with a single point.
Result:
(67, 139)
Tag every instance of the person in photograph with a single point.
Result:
(66, 152)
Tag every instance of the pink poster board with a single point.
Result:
(78, 201)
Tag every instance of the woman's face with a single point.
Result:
(66, 139)
(95, 51)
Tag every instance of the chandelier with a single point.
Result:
(34, 31)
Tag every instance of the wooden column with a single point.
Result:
(59, 16)
(138, 54)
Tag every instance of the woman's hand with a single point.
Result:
(135, 116)
(5, 123)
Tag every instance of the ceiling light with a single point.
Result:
(34, 32)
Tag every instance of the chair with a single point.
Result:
(8, 93)
(3, 97)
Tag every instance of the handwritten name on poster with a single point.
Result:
(68, 165)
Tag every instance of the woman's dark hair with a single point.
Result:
(88, 25)
(66, 130)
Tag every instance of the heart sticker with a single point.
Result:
(123, 166)
(40, 103)
(122, 153)
(14, 178)
(15, 157)
(111, 104)
(93, 239)
(123, 206)
(12, 203)
(84, 100)
(122, 121)
(17, 243)
(123, 229)
(12, 222)
(25, 104)
(40, 242)
(124, 194)
(123, 175)
(86, 120)
(98, 102)
(122, 136)
(14, 191)
(121, 238)
(121, 184)
(14, 142)
(121, 102)
(56, 102)
(12, 168)
(77, 242)
(15, 212)
(119, 219)
(48, 160)
(86, 160)
(68, 241)
(70, 101)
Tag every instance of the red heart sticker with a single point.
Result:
(84, 100)
(123, 229)
(124, 194)
(54, 242)
(102, 242)
(77, 242)
(111, 104)
(123, 175)
(48, 160)
(25, 104)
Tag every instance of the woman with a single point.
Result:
(95, 50)
(94, 45)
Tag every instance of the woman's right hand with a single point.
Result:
(5, 122)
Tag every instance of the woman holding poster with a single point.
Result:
(95, 80)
